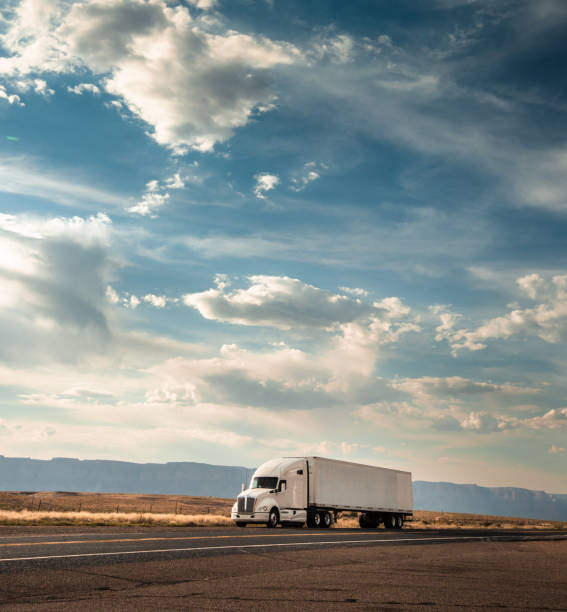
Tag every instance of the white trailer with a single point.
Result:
(293, 491)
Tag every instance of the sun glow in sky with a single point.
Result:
(231, 231)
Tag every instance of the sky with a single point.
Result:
(233, 231)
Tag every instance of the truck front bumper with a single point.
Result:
(255, 517)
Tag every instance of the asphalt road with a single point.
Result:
(234, 569)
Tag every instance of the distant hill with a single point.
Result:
(187, 478)
(497, 501)
(61, 474)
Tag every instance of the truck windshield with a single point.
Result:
(264, 482)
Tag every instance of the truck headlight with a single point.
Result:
(264, 509)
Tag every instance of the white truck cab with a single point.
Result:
(277, 494)
(294, 491)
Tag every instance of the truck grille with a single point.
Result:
(246, 505)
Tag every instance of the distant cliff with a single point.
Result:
(186, 478)
(61, 474)
(500, 501)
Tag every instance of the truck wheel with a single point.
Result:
(368, 521)
(317, 520)
(399, 522)
(273, 518)
(240, 524)
(326, 519)
(390, 521)
(312, 518)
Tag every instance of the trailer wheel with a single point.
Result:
(273, 518)
(368, 521)
(399, 522)
(241, 524)
(326, 519)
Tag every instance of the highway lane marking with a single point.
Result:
(239, 546)
(227, 536)
(216, 537)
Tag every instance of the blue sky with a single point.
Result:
(238, 230)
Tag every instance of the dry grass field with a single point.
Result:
(65, 501)
(69, 508)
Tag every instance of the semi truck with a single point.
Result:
(312, 491)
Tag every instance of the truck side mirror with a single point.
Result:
(243, 487)
(282, 486)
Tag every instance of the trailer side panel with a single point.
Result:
(345, 485)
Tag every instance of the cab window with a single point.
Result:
(264, 482)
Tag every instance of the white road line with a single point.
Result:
(238, 546)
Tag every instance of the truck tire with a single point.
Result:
(326, 519)
(273, 518)
(368, 521)
(390, 521)
(314, 520)
(241, 524)
(399, 522)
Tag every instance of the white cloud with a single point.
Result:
(456, 404)
(428, 388)
(358, 329)
(150, 202)
(552, 419)
(38, 86)
(480, 422)
(547, 320)
(111, 295)
(156, 196)
(285, 376)
(133, 302)
(158, 301)
(204, 5)
(192, 86)
(355, 291)
(278, 380)
(310, 172)
(81, 88)
(53, 276)
(10, 98)
(265, 182)
(346, 361)
(94, 229)
(277, 301)
(530, 284)
(129, 300)
(175, 182)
